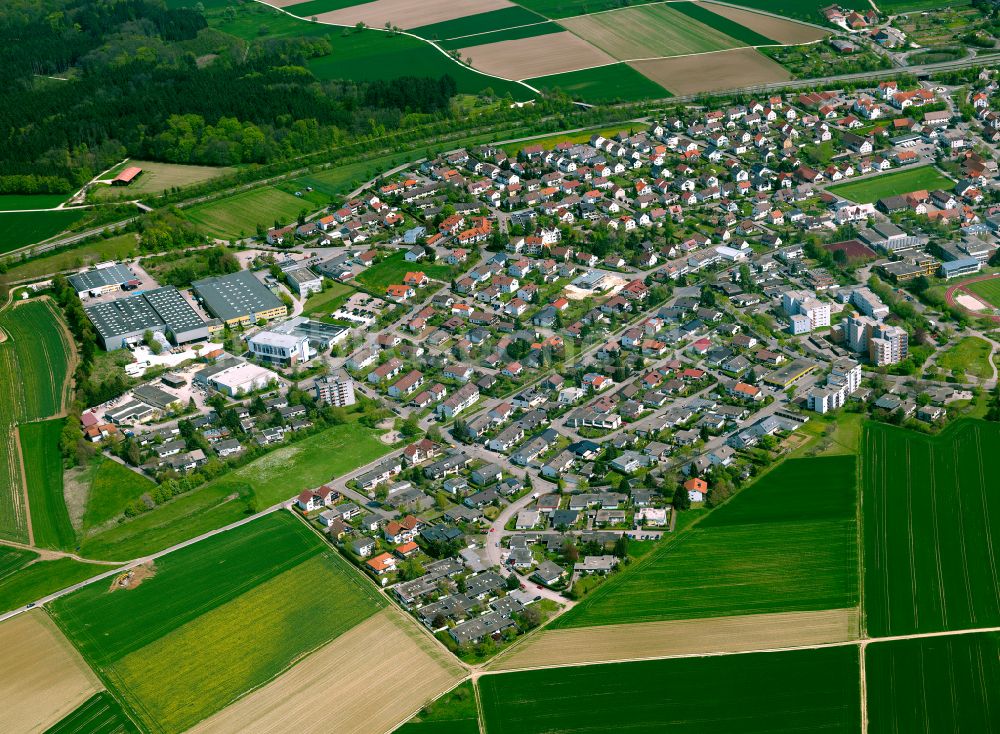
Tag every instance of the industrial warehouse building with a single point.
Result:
(239, 298)
(102, 278)
(123, 322)
(234, 377)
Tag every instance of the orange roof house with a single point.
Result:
(696, 489)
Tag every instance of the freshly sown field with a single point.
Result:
(783, 31)
(111, 489)
(409, 13)
(157, 178)
(554, 53)
(174, 646)
(723, 23)
(970, 356)
(649, 31)
(394, 268)
(611, 83)
(387, 653)
(939, 684)
(931, 510)
(43, 678)
(988, 290)
(493, 20)
(19, 202)
(43, 468)
(893, 184)
(42, 578)
(713, 72)
(509, 34)
(807, 10)
(802, 690)
(241, 213)
(747, 633)
(19, 229)
(775, 547)
(99, 714)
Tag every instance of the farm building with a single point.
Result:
(239, 298)
(124, 321)
(127, 176)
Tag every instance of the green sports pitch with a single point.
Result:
(881, 186)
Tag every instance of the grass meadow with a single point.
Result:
(612, 83)
(392, 269)
(99, 714)
(157, 178)
(175, 646)
(988, 290)
(786, 543)
(939, 684)
(43, 468)
(240, 214)
(969, 356)
(112, 488)
(931, 513)
(782, 692)
(884, 185)
(19, 229)
(113, 248)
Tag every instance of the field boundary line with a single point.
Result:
(24, 484)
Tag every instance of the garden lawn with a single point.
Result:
(898, 183)
(394, 268)
(939, 684)
(321, 305)
(602, 84)
(19, 229)
(240, 214)
(99, 714)
(931, 509)
(786, 543)
(43, 578)
(780, 693)
(113, 487)
(43, 467)
(494, 20)
(970, 356)
(988, 290)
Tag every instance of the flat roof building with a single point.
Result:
(235, 377)
(102, 278)
(124, 321)
(239, 298)
(304, 281)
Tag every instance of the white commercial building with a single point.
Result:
(283, 349)
(238, 379)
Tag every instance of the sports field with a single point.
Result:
(238, 215)
(19, 229)
(988, 290)
(43, 468)
(157, 178)
(939, 684)
(902, 182)
(931, 508)
(99, 714)
(111, 489)
(174, 646)
(786, 543)
(392, 270)
(969, 356)
(34, 366)
(612, 83)
(42, 678)
(648, 31)
(804, 690)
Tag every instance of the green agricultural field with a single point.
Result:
(779, 693)
(454, 713)
(494, 20)
(931, 511)
(187, 628)
(392, 269)
(730, 27)
(157, 178)
(603, 84)
(113, 487)
(241, 214)
(939, 684)
(893, 184)
(99, 714)
(43, 467)
(807, 10)
(14, 559)
(568, 8)
(18, 202)
(43, 578)
(988, 290)
(970, 356)
(19, 229)
(908, 6)
(648, 31)
(315, 7)
(786, 543)
(509, 34)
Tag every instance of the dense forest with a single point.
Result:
(90, 81)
